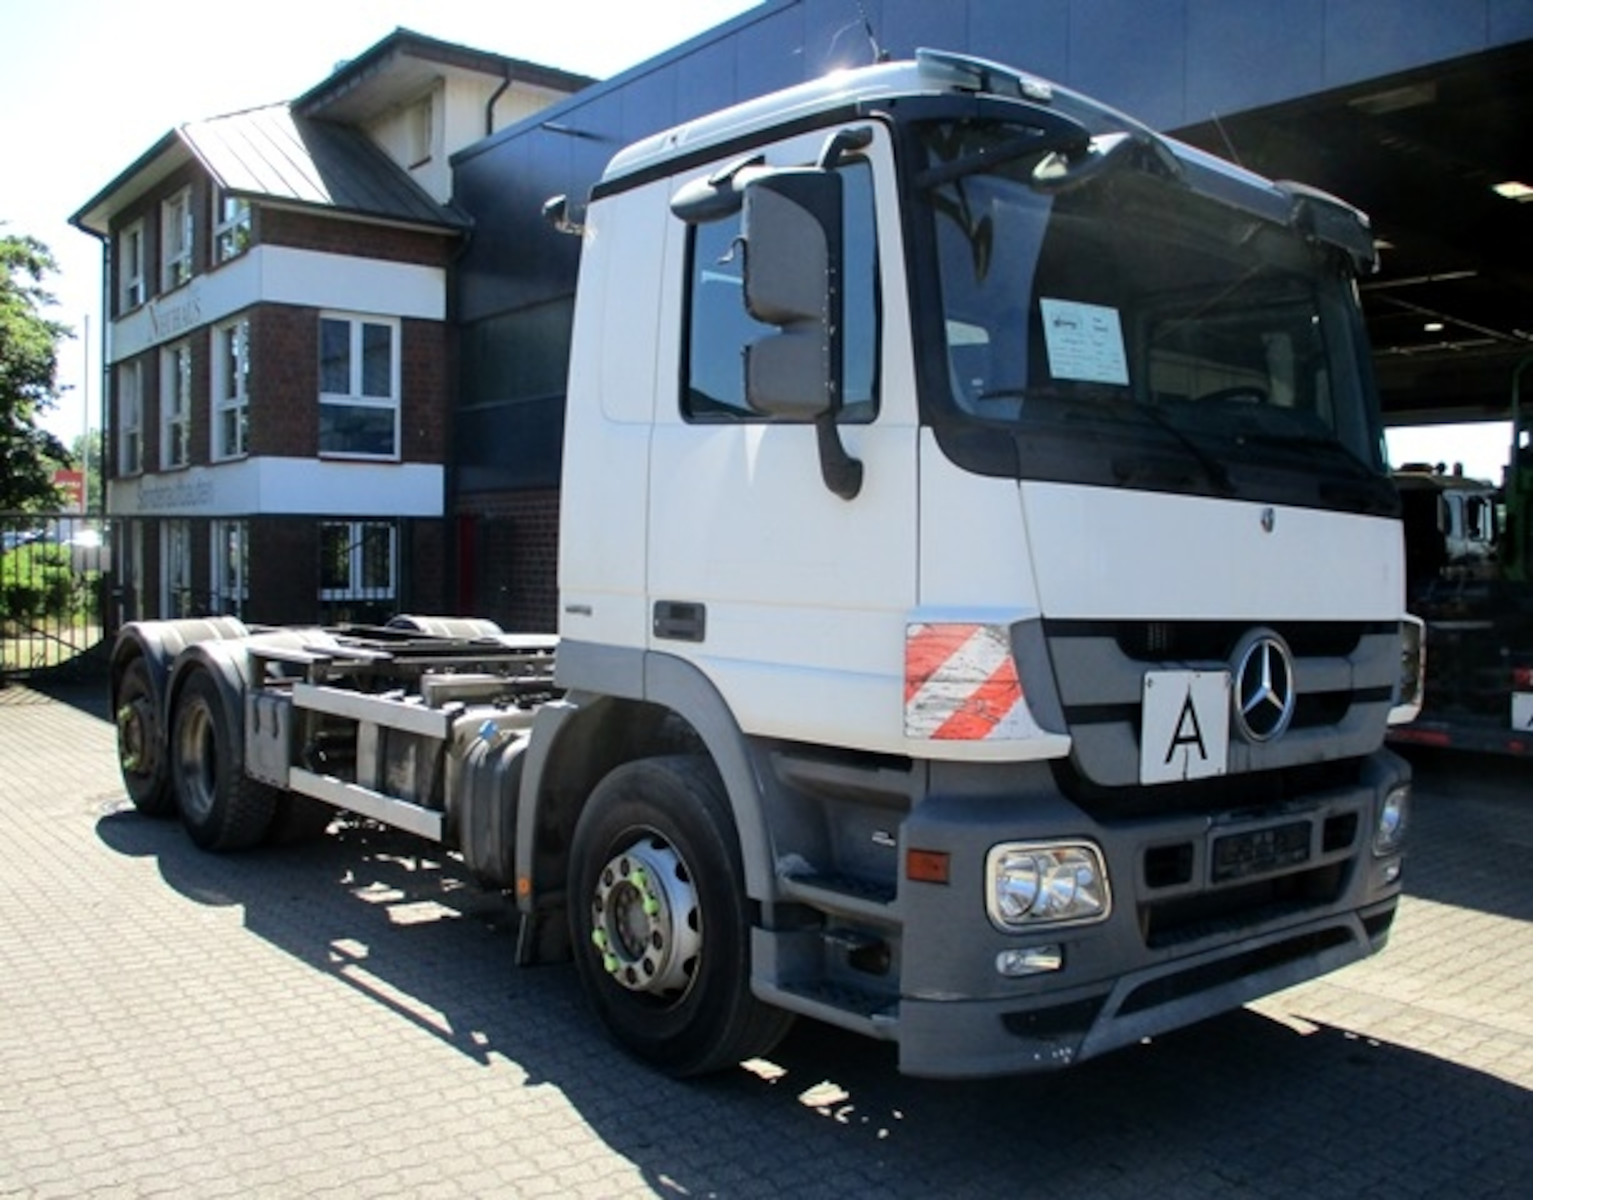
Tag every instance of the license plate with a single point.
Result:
(1241, 855)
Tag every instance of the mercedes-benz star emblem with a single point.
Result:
(1263, 686)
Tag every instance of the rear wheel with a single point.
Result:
(221, 807)
(660, 921)
(139, 744)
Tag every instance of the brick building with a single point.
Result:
(280, 369)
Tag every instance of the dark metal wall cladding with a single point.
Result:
(1170, 63)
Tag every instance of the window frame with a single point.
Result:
(421, 130)
(130, 418)
(177, 569)
(177, 403)
(356, 540)
(230, 583)
(230, 391)
(132, 291)
(356, 367)
(177, 239)
(232, 223)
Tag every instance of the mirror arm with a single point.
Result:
(840, 472)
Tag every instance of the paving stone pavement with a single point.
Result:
(343, 1020)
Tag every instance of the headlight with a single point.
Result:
(1394, 814)
(1408, 690)
(1047, 883)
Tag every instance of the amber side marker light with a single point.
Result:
(928, 866)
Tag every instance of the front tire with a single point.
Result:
(660, 921)
(220, 806)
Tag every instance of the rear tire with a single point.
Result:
(221, 807)
(140, 751)
(660, 921)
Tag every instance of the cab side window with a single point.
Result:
(718, 328)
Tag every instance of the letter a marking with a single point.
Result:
(1187, 730)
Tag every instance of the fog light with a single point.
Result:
(1394, 815)
(1035, 960)
(1047, 883)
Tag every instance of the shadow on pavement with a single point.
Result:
(1472, 834)
(1241, 1106)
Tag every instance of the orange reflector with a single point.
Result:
(928, 866)
(524, 885)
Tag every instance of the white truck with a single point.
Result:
(982, 599)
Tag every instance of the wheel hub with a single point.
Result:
(646, 919)
(134, 727)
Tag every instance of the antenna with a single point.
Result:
(1226, 140)
(879, 54)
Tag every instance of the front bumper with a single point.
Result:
(1178, 946)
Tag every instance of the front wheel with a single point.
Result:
(660, 921)
(221, 807)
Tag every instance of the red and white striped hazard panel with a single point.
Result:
(962, 685)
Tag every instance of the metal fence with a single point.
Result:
(69, 581)
(55, 585)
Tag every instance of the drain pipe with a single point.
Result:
(488, 108)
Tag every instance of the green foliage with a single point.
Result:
(28, 454)
(37, 583)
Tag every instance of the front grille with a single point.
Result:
(1344, 674)
(1189, 641)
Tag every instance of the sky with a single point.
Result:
(87, 86)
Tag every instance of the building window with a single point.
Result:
(130, 266)
(231, 227)
(230, 556)
(358, 376)
(232, 391)
(130, 418)
(356, 577)
(419, 132)
(175, 569)
(177, 386)
(177, 240)
(129, 590)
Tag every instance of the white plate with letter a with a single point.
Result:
(1185, 725)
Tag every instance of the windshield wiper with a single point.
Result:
(1310, 442)
(1361, 490)
(1215, 472)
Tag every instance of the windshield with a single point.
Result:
(1132, 332)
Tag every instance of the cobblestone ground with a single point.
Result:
(344, 1020)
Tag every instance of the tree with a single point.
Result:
(28, 453)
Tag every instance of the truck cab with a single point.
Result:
(1007, 480)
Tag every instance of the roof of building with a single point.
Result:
(389, 69)
(272, 154)
(275, 154)
(309, 151)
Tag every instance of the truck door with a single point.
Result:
(791, 599)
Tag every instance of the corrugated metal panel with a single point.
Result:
(271, 153)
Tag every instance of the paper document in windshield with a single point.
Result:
(1084, 342)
